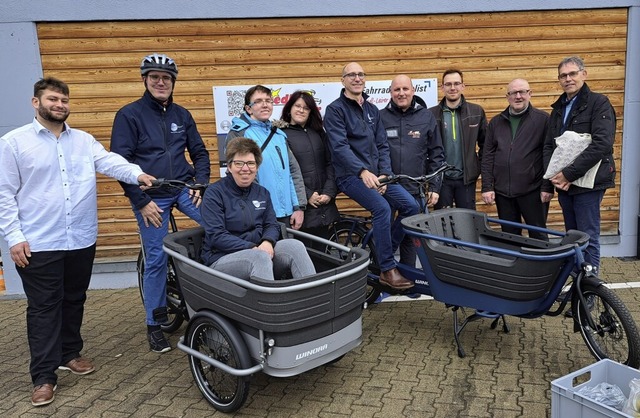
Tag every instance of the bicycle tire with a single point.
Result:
(616, 336)
(346, 234)
(174, 310)
(218, 340)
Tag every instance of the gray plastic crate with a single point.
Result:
(566, 402)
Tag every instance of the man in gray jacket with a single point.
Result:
(512, 165)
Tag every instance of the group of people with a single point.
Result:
(287, 172)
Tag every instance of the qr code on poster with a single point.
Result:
(235, 102)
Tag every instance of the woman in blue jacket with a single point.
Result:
(241, 230)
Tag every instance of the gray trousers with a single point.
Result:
(290, 257)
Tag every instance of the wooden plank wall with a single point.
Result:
(100, 61)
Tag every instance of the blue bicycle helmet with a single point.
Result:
(158, 62)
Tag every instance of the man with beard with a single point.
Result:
(48, 216)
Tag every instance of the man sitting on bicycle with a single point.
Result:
(360, 155)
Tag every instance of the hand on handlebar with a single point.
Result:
(369, 179)
(196, 197)
(152, 214)
(145, 181)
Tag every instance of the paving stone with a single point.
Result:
(407, 365)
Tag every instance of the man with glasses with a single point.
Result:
(154, 133)
(585, 112)
(279, 173)
(512, 162)
(360, 155)
(462, 127)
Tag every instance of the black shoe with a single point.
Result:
(157, 341)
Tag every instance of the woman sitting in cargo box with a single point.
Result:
(241, 230)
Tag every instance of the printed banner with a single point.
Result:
(229, 100)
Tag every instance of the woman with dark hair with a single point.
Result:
(307, 140)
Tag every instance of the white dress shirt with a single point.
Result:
(48, 186)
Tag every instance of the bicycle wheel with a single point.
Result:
(350, 235)
(220, 341)
(616, 336)
(174, 297)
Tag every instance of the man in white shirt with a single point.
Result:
(48, 216)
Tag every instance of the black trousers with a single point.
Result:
(455, 191)
(55, 283)
(528, 207)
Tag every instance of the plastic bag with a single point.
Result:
(632, 406)
(569, 146)
(606, 394)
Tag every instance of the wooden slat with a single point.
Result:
(99, 60)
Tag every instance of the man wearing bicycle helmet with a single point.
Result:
(154, 132)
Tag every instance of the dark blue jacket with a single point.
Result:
(357, 138)
(592, 113)
(155, 137)
(236, 219)
(414, 142)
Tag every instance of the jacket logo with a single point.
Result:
(177, 129)
(414, 134)
(258, 204)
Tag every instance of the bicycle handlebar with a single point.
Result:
(421, 179)
(177, 184)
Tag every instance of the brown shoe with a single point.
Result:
(394, 279)
(42, 394)
(79, 365)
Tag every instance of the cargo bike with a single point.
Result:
(466, 261)
(237, 328)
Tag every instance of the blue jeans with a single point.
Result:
(385, 236)
(582, 212)
(155, 269)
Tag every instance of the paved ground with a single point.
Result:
(406, 366)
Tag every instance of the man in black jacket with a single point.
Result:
(512, 162)
(414, 143)
(462, 127)
(580, 110)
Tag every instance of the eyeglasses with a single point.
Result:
(449, 85)
(301, 108)
(520, 92)
(572, 75)
(352, 76)
(166, 79)
(260, 102)
(239, 164)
